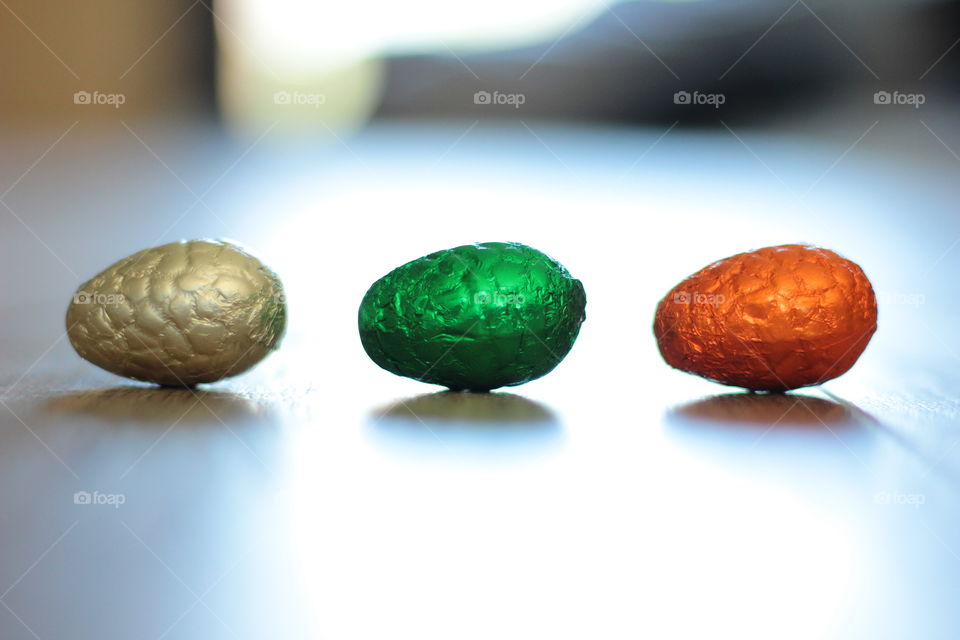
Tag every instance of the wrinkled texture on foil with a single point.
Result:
(773, 319)
(474, 317)
(179, 314)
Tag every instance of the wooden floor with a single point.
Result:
(321, 497)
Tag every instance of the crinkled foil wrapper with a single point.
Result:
(179, 314)
(475, 317)
(774, 319)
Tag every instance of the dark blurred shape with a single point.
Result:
(156, 406)
(766, 411)
(627, 64)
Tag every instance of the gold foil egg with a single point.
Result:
(179, 314)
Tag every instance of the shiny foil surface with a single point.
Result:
(475, 317)
(773, 319)
(179, 314)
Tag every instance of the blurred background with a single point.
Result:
(319, 70)
(312, 69)
(318, 496)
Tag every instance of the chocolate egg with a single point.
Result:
(773, 319)
(179, 314)
(475, 317)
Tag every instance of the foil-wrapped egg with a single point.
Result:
(179, 314)
(475, 317)
(773, 319)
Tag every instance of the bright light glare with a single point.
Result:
(332, 51)
(605, 529)
(292, 31)
(543, 551)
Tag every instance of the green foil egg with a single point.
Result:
(473, 318)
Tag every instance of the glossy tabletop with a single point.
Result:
(321, 497)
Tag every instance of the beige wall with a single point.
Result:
(98, 43)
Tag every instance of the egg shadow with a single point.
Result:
(770, 429)
(802, 445)
(472, 422)
(157, 406)
(751, 411)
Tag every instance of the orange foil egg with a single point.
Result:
(773, 319)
